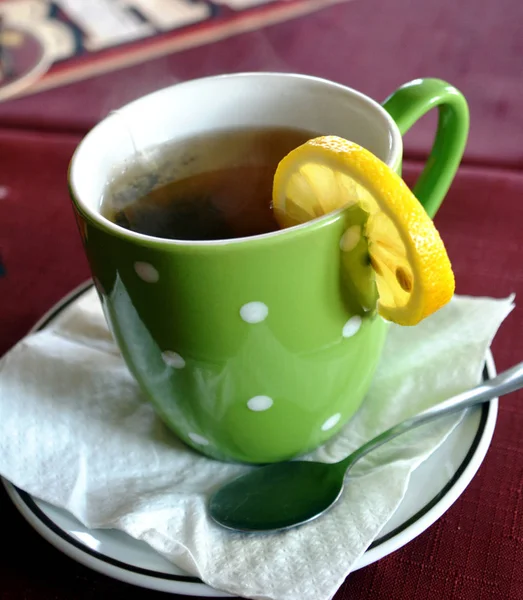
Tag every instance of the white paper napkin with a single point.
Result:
(75, 431)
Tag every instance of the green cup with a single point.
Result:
(248, 348)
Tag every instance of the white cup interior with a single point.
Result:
(227, 102)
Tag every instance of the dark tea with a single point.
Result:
(215, 186)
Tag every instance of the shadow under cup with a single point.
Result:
(248, 348)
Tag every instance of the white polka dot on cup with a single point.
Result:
(352, 326)
(331, 422)
(199, 439)
(146, 272)
(350, 239)
(173, 359)
(260, 403)
(254, 312)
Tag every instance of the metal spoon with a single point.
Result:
(283, 495)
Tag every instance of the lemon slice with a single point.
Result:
(392, 255)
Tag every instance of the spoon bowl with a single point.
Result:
(275, 496)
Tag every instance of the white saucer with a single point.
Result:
(433, 488)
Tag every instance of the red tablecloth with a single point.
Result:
(475, 551)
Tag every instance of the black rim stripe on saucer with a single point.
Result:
(32, 506)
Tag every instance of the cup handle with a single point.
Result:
(409, 103)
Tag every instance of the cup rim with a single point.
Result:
(393, 161)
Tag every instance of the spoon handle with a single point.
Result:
(504, 383)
